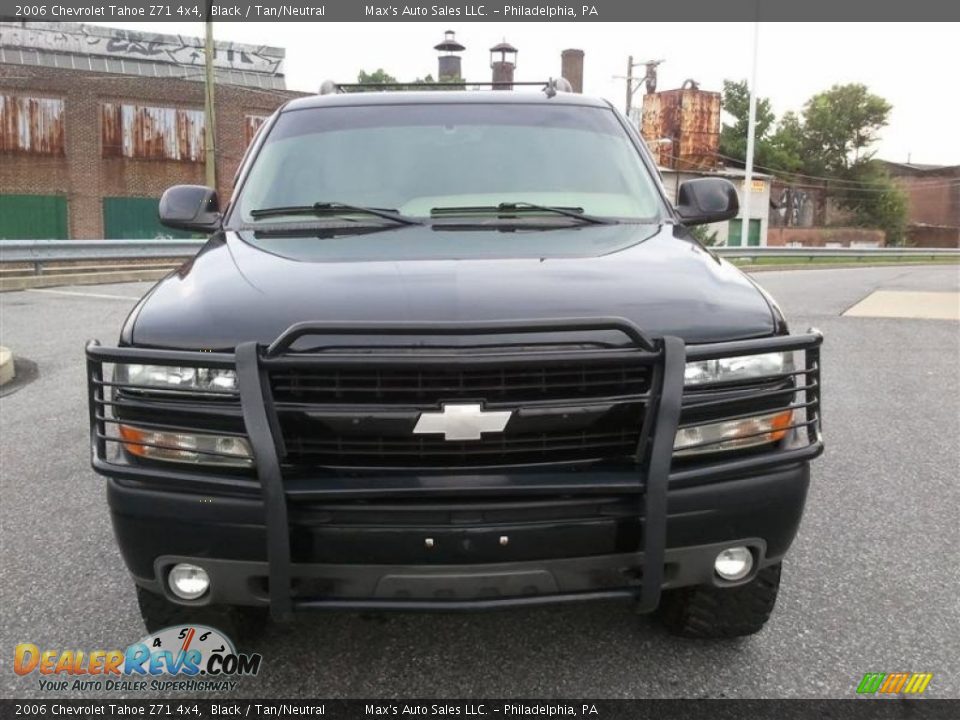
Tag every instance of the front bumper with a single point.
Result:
(227, 537)
(662, 528)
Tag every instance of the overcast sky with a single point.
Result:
(913, 66)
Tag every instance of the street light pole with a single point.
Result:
(629, 86)
(210, 154)
(751, 131)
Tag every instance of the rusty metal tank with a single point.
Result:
(682, 127)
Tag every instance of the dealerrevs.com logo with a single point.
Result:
(190, 658)
(894, 683)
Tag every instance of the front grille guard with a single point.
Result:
(254, 406)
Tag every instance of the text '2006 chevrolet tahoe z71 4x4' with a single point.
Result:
(454, 350)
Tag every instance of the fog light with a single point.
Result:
(734, 563)
(188, 581)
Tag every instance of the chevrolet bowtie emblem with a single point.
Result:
(461, 422)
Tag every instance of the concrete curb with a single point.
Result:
(7, 371)
(10, 284)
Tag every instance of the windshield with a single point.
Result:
(420, 159)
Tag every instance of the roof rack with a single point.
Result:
(550, 87)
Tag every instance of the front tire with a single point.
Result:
(718, 612)
(240, 624)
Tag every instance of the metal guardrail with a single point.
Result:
(753, 253)
(39, 252)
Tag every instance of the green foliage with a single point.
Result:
(830, 139)
(377, 77)
(875, 200)
(787, 144)
(839, 126)
(736, 102)
(382, 77)
(429, 80)
(774, 145)
(704, 235)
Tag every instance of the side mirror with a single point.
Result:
(707, 200)
(190, 207)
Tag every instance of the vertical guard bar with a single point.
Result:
(812, 360)
(254, 406)
(95, 397)
(658, 473)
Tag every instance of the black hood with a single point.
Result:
(252, 287)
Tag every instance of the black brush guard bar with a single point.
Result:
(666, 356)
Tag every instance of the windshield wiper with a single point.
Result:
(512, 207)
(334, 208)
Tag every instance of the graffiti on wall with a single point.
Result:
(31, 125)
(797, 208)
(152, 133)
(79, 39)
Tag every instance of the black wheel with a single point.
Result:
(716, 612)
(240, 624)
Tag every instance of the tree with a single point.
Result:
(775, 146)
(377, 77)
(382, 77)
(787, 144)
(736, 102)
(839, 126)
(704, 236)
(830, 141)
(874, 199)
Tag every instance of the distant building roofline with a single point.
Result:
(919, 167)
(719, 172)
(94, 48)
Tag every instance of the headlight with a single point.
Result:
(744, 367)
(732, 434)
(197, 448)
(169, 377)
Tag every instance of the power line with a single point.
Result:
(834, 180)
(838, 183)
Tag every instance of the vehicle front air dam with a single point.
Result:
(227, 536)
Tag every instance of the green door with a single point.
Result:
(128, 218)
(735, 235)
(33, 217)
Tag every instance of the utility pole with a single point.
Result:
(633, 83)
(751, 131)
(209, 139)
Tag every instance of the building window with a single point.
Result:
(152, 133)
(31, 125)
(251, 124)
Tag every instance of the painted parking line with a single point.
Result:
(74, 293)
(905, 304)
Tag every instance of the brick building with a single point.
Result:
(933, 202)
(95, 123)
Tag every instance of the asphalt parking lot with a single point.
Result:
(871, 584)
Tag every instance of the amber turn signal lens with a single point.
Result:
(733, 434)
(134, 439)
(197, 448)
(780, 424)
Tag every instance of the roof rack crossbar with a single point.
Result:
(550, 86)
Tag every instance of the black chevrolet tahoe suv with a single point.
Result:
(454, 351)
